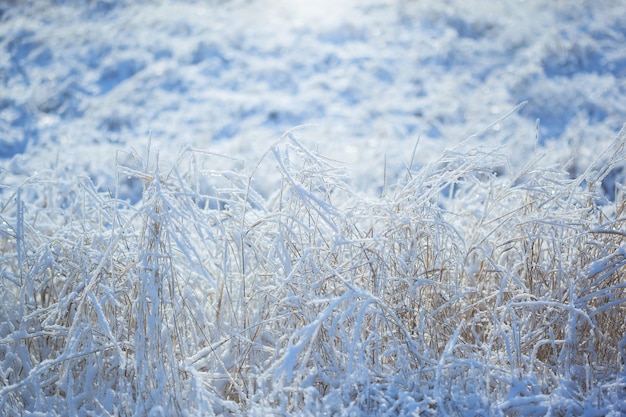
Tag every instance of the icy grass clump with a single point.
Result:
(462, 290)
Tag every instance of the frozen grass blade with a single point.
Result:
(462, 289)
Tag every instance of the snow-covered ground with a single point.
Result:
(367, 78)
(100, 90)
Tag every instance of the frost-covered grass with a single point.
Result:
(463, 289)
(489, 281)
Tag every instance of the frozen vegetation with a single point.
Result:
(350, 209)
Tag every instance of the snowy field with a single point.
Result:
(341, 207)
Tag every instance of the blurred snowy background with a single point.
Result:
(82, 80)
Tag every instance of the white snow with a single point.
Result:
(300, 171)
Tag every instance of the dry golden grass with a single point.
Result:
(461, 289)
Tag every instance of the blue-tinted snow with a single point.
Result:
(80, 81)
